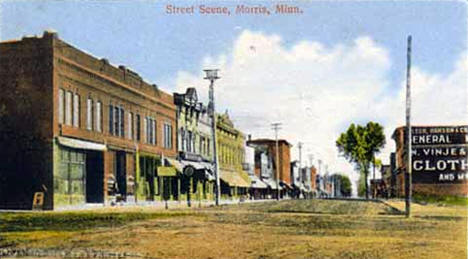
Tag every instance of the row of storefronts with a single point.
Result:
(89, 132)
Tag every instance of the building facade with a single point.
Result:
(230, 149)
(78, 129)
(194, 146)
(439, 157)
(283, 174)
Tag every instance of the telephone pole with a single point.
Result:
(276, 126)
(299, 145)
(409, 164)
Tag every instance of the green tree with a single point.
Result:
(359, 144)
(343, 182)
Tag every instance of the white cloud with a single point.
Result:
(316, 91)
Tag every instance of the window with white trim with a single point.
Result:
(68, 108)
(76, 110)
(167, 136)
(89, 114)
(98, 124)
(61, 106)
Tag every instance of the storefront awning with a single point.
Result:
(167, 171)
(175, 163)
(80, 144)
(257, 183)
(285, 184)
(233, 178)
(272, 184)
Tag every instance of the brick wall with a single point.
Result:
(26, 128)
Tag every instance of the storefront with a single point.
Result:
(233, 185)
(258, 189)
(78, 172)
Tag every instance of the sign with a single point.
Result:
(189, 170)
(439, 154)
(38, 201)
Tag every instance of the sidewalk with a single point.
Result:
(150, 204)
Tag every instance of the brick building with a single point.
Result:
(79, 129)
(439, 157)
(284, 172)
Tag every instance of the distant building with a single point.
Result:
(439, 156)
(284, 171)
(78, 129)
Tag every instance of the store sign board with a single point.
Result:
(440, 154)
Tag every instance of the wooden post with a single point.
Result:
(409, 165)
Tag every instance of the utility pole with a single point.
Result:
(276, 127)
(299, 145)
(212, 75)
(409, 164)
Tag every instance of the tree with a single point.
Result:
(359, 144)
(345, 185)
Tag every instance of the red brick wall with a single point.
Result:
(25, 119)
(313, 178)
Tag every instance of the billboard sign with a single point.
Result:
(439, 154)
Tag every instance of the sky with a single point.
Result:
(336, 63)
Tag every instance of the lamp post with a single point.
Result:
(212, 75)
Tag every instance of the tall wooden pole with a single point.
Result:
(409, 164)
(276, 127)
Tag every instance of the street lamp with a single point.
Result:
(212, 75)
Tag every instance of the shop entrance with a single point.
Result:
(121, 175)
(94, 177)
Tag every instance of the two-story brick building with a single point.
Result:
(283, 173)
(78, 129)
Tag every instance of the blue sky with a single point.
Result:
(157, 45)
(339, 62)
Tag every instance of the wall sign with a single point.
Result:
(440, 154)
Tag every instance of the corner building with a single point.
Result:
(78, 129)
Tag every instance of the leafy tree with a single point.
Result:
(359, 144)
(344, 183)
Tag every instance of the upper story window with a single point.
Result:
(68, 108)
(150, 130)
(138, 127)
(167, 136)
(61, 106)
(116, 121)
(98, 116)
(89, 114)
(76, 110)
(130, 125)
